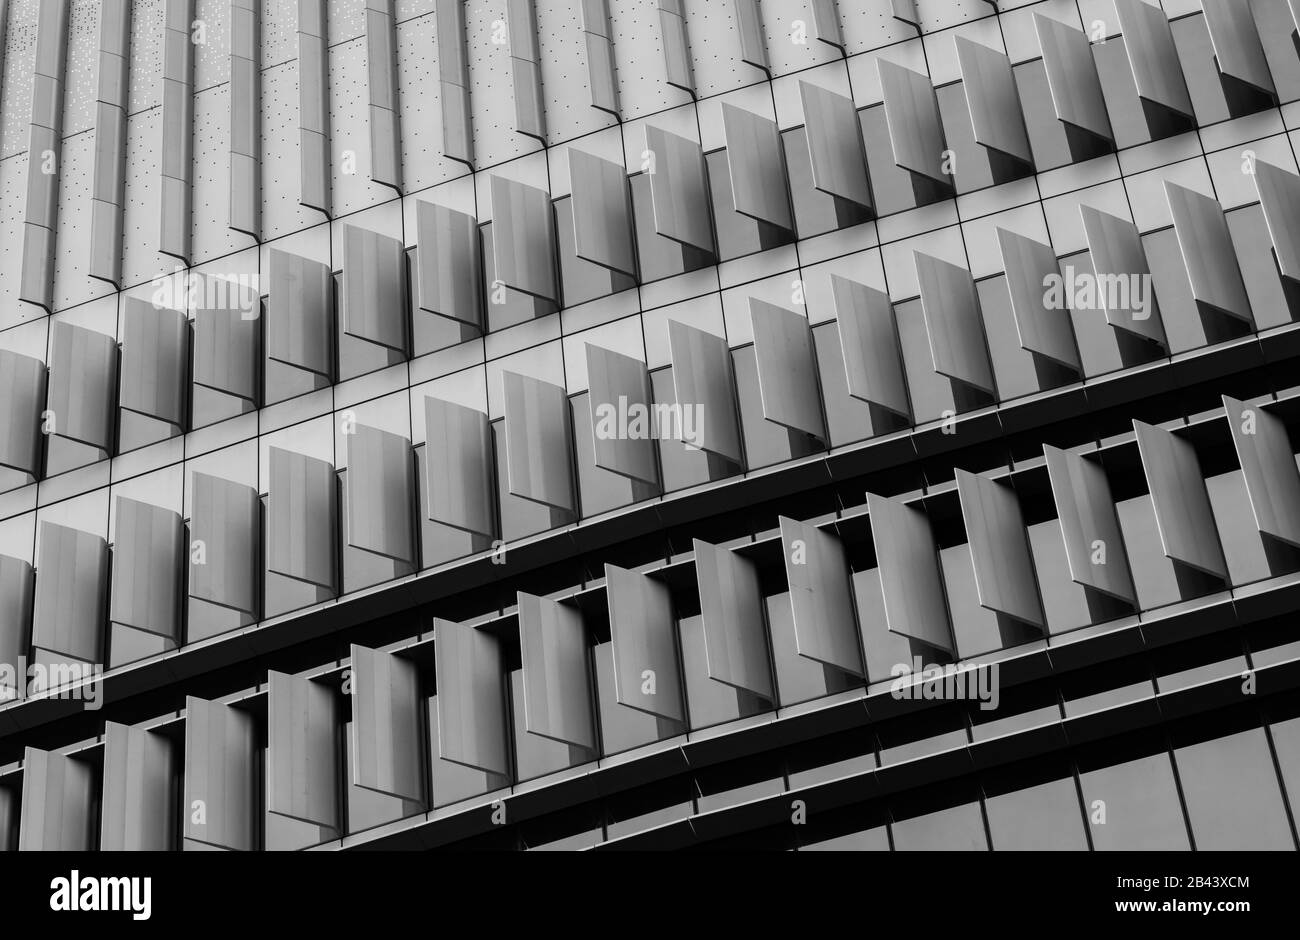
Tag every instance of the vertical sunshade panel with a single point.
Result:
(222, 787)
(472, 728)
(643, 630)
(1094, 545)
(911, 582)
(556, 672)
(731, 611)
(1182, 503)
(821, 597)
(999, 548)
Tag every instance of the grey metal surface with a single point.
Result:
(999, 548)
(526, 69)
(453, 82)
(82, 385)
(839, 162)
(302, 518)
(225, 347)
(1029, 264)
(450, 264)
(731, 612)
(1268, 466)
(523, 238)
(138, 790)
(992, 99)
(787, 368)
(22, 388)
(1188, 533)
(17, 586)
(225, 534)
(1117, 253)
(1237, 48)
(299, 313)
(108, 194)
(380, 492)
(748, 18)
(246, 118)
(1072, 76)
(1153, 56)
(459, 467)
(222, 788)
(757, 165)
(374, 299)
(678, 63)
(303, 756)
(910, 580)
(472, 729)
(602, 78)
(177, 159)
(821, 597)
(602, 212)
(679, 189)
(385, 113)
(912, 114)
(58, 806)
(155, 361)
(703, 378)
(539, 439)
(557, 672)
(315, 179)
(953, 322)
(619, 392)
(1279, 195)
(71, 592)
(643, 629)
(873, 359)
(386, 724)
(148, 562)
(1094, 546)
(1208, 253)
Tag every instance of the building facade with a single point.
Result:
(526, 424)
